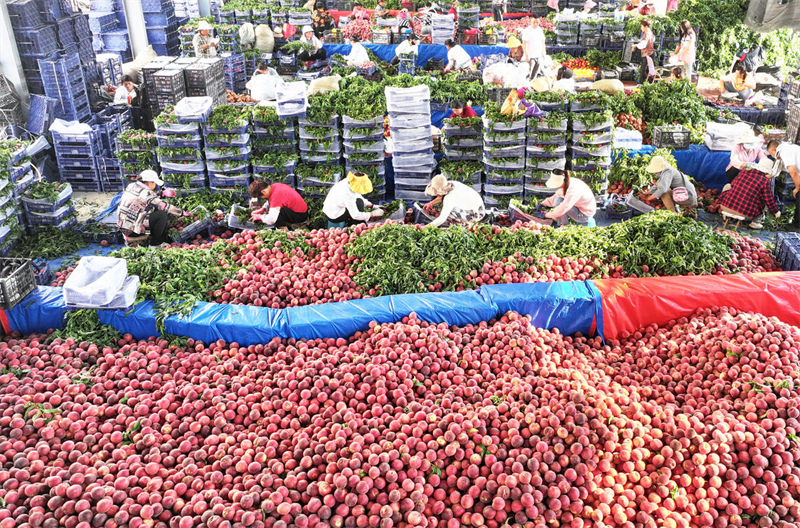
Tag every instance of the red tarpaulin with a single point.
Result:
(629, 304)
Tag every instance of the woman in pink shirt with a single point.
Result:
(747, 150)
(573, 199)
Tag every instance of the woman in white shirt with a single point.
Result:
(345, 204)
(408, 46)
(461, 204)
(358, 53)
(319, 52)
(533, 45)
(573, 199)
(126, 92)
(457, 57)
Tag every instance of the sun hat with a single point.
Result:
(555, 180)
(657, 164)
(748, 136)
(203, 25)
(151, 176)
(359, 184)
(439, 186)
(307, 29)
(765, 165)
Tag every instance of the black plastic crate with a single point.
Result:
(671, 136)
(17, 280)
(168, 81)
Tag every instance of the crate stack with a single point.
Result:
(468, 23)
(186, 35)
(443, 27)
(590, 150)
(539, 8)
(363, 151)
(15, 172)
(262, 16)
(206, 77)
(613, 35)
(300, 17)
(410, 125)
(516, 6)
(228, 153)
(162, 26)
(111, 38)
(228, 35)
(546, 148)
(320, 144)
(75, 154)
(787, 250)
(567, 32)
(41, 213)
(462, 143)
(64, 82)
(36, 35)
(184, 175)
(503, 160)
(147, 83)
(590, 32)
(169, 87)
(187, 8)
(109, 66)
(235, 72)
(273, 139)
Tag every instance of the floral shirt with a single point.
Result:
(137, 202)
(322, 20)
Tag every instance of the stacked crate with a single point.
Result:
(109, 26)
(443, 27)
(300, 17)
(539, 8)
(363, 151)
(546, 140)
(567, 32)
(36, 35)
(235, 72)
(320, 144)
(412, 151)
(613, 35)
(162, 26)
(273, 139)
(462, 143)
(228, 35)
(169, 86)
(186, 35)
(590, 151)
(468, 17)
(136, 151)
(503, 160)
(16, 172)
(184, 175)
(109, 66)
(42, 213)
(64, 82)
(228, 153)
(590, 31)
(206, 77)
(75, 154)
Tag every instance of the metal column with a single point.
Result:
(205, 7)
(137, 31)
(10, 64)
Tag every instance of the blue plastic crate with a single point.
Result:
(17, 172)
(77, 109)
(116, 40)
(25, 13)
(103, 22)
(228, 180)
(43, 40)
(80, 22)
(78, 176)
(158, 19)
(155, 6)
(41, 114)
(55, 218)
(161, 35)
(65, 29)
(81, 163)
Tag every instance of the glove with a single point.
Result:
(377, 213)
(257, 218)
(778, 214)
(187, 213)
(168, 193)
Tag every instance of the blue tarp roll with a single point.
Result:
(702, 164)
(426, 51)
(569, 306)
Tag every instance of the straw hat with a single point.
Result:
(657, 164)
(204, 26)
(555, 181)
(359, 184)
(748, 136)
(439, 186)
(765, 165)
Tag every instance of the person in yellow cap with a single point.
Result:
(672, 187)
(461, 204)
(345, 203)
(514, 46)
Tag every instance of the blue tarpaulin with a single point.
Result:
(426, 51)
(569, 306)
(704, 165)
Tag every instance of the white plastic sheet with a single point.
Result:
(95, 282)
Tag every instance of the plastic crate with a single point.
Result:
(43, 40)
(116, 40)
(103, 22)
(16, 283)
(17, 172)
(25, 13)
(51, 218)
(676, 137)
(154, 6)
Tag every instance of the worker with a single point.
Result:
(427, 19)
(454, 10)
(498, 6)
(322, 21)
(461, 110)
(358, 55)
(403, 20)
(410, 46)
(140, 208)
(457, 57)
(788, 154)
(565, 82)
(126, 92)
(573, 199)
(533, 46)
(740, 82)
(686, 52)
(380, 9)
(345, 203)
(747, 150)
(461, 204)
(672, 187)
(204, 45)
(359, 13)
(750, 193)
(319, 52)
(514, 46)
(647, 71)
(285, 207)
(264, 82)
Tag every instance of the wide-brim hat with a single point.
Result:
(359, 184)
(657, 164)
(439, 186)
(204, 26)
(748, 136)
(555, 181)
(765, 165)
